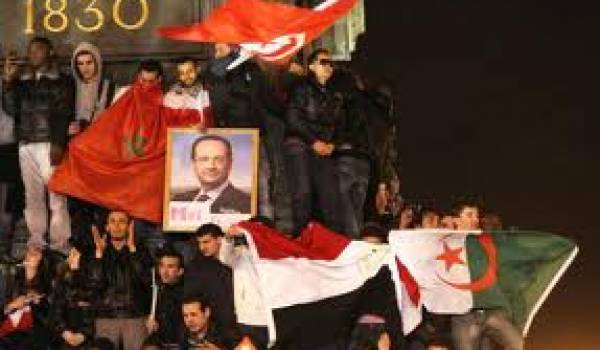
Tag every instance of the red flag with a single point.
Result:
(272, 30)
(24, 323)
(118, 162)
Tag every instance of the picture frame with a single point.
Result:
(210, 177)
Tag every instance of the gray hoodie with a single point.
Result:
(93, 97)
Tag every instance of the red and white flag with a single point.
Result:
(273, 31)
(314, 276)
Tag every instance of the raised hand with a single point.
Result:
(321, 148)
(235, 231)
(131, 237)
(99, 242)
(151, 325)
(73, 259)
(11, 70)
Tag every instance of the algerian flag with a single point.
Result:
(451, 272)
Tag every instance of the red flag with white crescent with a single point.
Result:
(273, 31)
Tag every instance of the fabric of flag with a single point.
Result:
(274, 31)
(455, 272)
(311, 284)
(17, 321)
(119, 161)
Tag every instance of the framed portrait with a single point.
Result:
(211, 177)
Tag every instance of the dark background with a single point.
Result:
(495, 99)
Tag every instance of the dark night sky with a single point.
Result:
(493, 95)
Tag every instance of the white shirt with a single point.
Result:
(248, 300)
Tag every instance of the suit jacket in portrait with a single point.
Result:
(230, 201)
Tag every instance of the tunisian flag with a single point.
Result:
(273, 30)
(118, 162)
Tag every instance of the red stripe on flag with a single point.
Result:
(412, 288)
(25, 324)
(315, 243)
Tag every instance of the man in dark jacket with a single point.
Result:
(42, 103)
(354, 151)
(120, 272)
(233, 92)
(165, 324)
(312, 119)
(201, 332)
(207, 277)
(247, 96)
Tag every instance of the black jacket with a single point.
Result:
(213, 280)
(169, 315)
(42, 106)
(353, 136)
(314, 112)
(122, 282)
(72, 307)
(213, 336)
(234, 94)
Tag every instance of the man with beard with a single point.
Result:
(188, 91)
(120, 272)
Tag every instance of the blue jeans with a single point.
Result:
(468, 330)
(354, 182)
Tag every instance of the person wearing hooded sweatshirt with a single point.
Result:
(93, 94)
(93, 91)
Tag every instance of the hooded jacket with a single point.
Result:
(91, 98)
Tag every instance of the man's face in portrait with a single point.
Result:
(212, 163)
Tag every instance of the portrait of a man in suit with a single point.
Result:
(212, 160)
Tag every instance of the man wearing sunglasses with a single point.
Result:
(313, 115)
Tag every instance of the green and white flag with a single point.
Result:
(452, 272)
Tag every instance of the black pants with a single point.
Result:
(313, 178)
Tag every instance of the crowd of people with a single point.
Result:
(99, 278)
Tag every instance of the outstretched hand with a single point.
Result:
(11, 69)
(131, 237)
(73, 259)
(99, 242)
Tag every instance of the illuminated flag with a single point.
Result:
(119, 161)
(273, 31)
(455, 272)
(313, 284)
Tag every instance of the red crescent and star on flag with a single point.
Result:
(451, 256)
